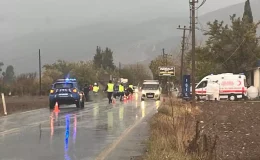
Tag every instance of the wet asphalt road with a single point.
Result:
(72, 134)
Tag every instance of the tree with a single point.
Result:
(1, 65)
(98, 58)
(84, 72)
(8, 75)
(25, 84)
(231, 48)
(248, 16)
(107, 59)
(104, 59)
(135, 73)
(62, 66)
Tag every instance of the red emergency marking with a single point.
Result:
(232, 91)
(227, 83)
(225, 91)
(201, 91)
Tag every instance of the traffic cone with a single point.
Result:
(56, 108)
(113, 101)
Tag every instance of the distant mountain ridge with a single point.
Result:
(130, 43)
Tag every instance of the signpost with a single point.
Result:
(167, 71)
(186, 87)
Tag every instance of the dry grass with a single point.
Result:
(175, 133)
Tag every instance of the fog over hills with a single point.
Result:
(133, 32)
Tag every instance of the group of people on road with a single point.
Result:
(110, 89)
(88, 88)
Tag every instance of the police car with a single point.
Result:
(66, 91)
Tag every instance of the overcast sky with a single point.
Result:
(23, 16)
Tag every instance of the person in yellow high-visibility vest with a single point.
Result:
(110, 90)
(121, 91)
(131, 88)
(95, 88)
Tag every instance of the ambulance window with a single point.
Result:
(203, 84)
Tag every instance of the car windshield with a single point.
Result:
(63, 85)
(151, 86)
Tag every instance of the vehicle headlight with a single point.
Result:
(51, 91)
(157, 92)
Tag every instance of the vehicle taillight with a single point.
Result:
(74, 90)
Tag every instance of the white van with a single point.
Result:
(231, 86)
(151, 90)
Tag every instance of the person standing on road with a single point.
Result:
(121, 91)
(86, 92)
(131, 88)
(110, 90)
(95, 88)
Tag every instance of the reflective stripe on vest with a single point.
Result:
(95, 89)
(121, 88)
(110, 87)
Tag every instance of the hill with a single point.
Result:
(130, 42)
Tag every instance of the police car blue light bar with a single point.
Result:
(67, 79)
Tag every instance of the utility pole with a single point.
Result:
(193, 16)
(165, 56)
(119, 70)
(182, 50)
(40, 73)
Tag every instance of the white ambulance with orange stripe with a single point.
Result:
(231, 86)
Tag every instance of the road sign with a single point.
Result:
(166, 71)
(186, 87)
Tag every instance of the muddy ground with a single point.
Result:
(237, 126)
(20, 104)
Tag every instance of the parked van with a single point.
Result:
(231, 86)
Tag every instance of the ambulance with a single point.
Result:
(231, 86)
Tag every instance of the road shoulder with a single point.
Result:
(133, 146)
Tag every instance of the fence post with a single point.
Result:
(4, 104)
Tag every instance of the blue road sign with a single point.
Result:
(186, 87)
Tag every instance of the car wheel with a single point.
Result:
(78, 104)
(51, 105)
(82, 104)
(197, 98)
(232, 97)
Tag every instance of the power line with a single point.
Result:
(234, 51)
(202, 3)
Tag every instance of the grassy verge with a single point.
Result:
(174, 132)
(21, 104)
